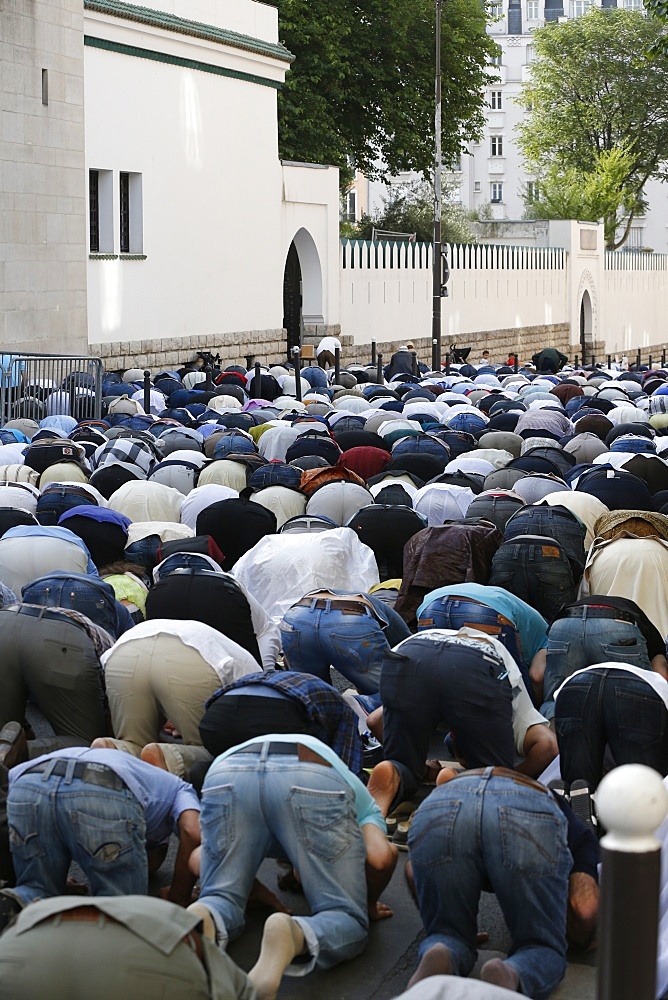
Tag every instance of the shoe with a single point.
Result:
(581, 803)
(559, 787)
(400, 836)
(13, 745)
(372, 750)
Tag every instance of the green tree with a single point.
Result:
(361, 89)
(594, 91)
(659, 10)
(604, 192)
(409, 208)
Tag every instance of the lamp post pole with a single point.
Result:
(436, 312)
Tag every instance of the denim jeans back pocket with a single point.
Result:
(431, 835)
(104, 841)
(640, 718)
(531, 843)
(326, 821)
(23, 836)
(217, 819)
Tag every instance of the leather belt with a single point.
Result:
(337, 604)
(50, 614)
(502, 772)
(91, 772)
(599, 611)
(285, 748)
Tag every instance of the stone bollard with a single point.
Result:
(631, 802)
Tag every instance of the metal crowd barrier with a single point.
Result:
(41, 385)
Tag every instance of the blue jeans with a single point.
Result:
(88, 595)
(609, 707)
(475, 831)
(55, 820)
(316, 639)
(536, 571)
(260, 805)
(576, 643)
(458, 612)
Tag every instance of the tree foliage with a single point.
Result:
(409, 208)
(600, 193)
(659, 10)
(360, 93)
(594, 90)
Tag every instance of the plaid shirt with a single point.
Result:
(323, 704)
(125, 450)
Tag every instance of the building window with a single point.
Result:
(633, 5)
(477, 187)
(579, 7)
(45, 87)
(496, 145)
(100, 211)
(495, 100)
(496, 8)
(94, 210)
(350, 213)
(530, 51)
(532, 10)
(635, 239)
(532, 192)
(496, 192)
(497, 59)
(130, 212)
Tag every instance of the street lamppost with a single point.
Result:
(438, 283)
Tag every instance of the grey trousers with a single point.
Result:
(53, 662)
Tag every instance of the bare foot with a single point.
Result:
(282, 941)
(384, 785)
(103, 743)
(436, 961)
(446, 774)
(380, 911)
(152, 754)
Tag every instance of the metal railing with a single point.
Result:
(40, 385)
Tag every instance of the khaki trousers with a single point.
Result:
(154, 674)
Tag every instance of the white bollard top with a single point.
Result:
(631, 802)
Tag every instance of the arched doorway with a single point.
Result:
(586, 325)
(292, 299)
(302, 288)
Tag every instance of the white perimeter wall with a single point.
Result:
(635, 302)
(206, 147)
(490, 288)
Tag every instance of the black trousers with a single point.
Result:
(232, 719)
(434, 683)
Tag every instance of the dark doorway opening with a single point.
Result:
(292, 300)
